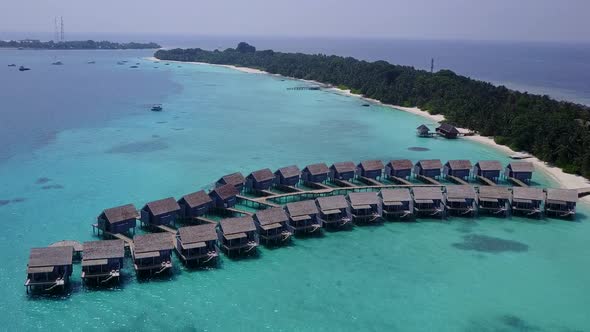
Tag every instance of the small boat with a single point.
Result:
(156, 108)
(520, 155)
(366, 105)
(120, 63)
(91, 62)
(137, 63)
(133, 67)
(23, 68)
(57, 63)
(167, 64)
(12, 65)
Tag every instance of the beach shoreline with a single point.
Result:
(564, 180)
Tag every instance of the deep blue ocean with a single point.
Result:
(80, 138)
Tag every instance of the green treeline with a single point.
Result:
(76, 45)
(552, 130)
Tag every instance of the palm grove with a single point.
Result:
(555, 131)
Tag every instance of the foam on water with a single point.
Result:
(486, 274)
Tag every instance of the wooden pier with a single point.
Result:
(369, 181)
(260, 200)
(238, 211)
(485, 180)
(166, 229)
(205, 220)
(457, 180)
(343, 183)
(399, 180)
(427, 179)
(517, 182)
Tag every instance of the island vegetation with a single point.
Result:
(554, 131)
(75, 45)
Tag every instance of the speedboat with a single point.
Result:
(23, 68)
(57, 63)
(12, 65)
(157, 108)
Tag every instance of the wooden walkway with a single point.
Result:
(428, 180)
(400, 180)
(238, 211)
(457, 180)
(517, 182)
(369, 181)
(128, 241)
(485, 180)
(317, 185)
(343, 183)
(205, 220)
(259, 200)
(166, 229)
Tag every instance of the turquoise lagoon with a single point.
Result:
(486, 274)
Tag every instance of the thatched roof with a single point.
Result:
(198, 198)
(302, 208)
(430, 164)
(271, 216)
(521, 166)
(235, 179)
(344, 167)
(423, 128)
(198, 233)
(317, 169)
(120, 213)
(225, 191)
(363, 198)
(332, 202)
(562, 195)
(289, 171)
(104, 249)
(461, 192)
(448, 128)
(427, 193)
(262, 175)
(237, 225)
(528, 193)
(153, 242)
(494, 192)
(489, 165)
(400, 164)
(395, 195)
(371, 165)
(162, 206)
(50, 256)
(459, 164)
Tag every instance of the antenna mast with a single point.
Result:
(62, 29)
(432, 65)
(55, 33)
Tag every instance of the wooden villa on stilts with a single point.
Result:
(488, 169)
(161, 212)
(195, 205)
(235, 179)
(102, 261)
(117, 220)
(520, 170)
(197, 244)
(288, 177)
(561, 203)
(458, 168)
(527, 201)
(315, 174)
(273, 225)
(428, 169)
(303, 217)
(237, 235)
(447, 131)
(334, 211)
(365, 207)
(429, 202)
(397, 203)
(369, 171)
(495, 200)
(461, 200)
(224, 197)
(423, 131)
(399, 169)
(152, 253)
(260, 181)
(49, 268)
(342, 171)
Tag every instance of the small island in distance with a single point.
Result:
(557, 132)
(75, 45)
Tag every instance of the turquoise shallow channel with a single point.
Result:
(484, 274)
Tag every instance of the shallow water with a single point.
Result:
(474, 275)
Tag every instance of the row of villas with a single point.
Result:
(102, 261)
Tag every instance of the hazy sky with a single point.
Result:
(565, 20)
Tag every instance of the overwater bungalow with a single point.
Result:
(273, 225)
(195, 205)
(401, 168)
(161, 212)
(224, 197)
(447, 131)
(260, 180)
(397, 203)
(561, 202)
(527, 201)
(288, 176)
(458, 168)
(371, 169)
(423, 131)
(429, 202)
(344, 171)
(365, 207)
(303, 217)
(49, 268)
(461, 200)
(102, 261)
(488, 169)
(197, 244)
(316, 173)
(428, 168)
(494, 200)
(152, 253)
(237, 235)
(520, 170)
(120, 219)
(334, 211)
(235, 179)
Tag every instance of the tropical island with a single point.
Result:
(554, 131)
(76, 45)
